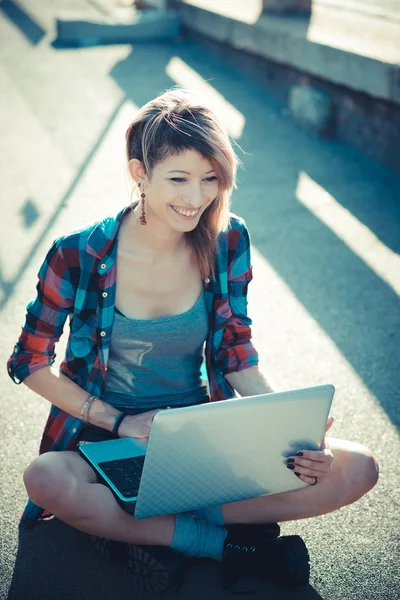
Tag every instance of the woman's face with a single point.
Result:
(182, 186)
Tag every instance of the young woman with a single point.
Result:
(170, 271)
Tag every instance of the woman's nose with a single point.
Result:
(196, 197)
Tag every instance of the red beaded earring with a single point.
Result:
(142, 217)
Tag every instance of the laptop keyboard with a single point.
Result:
(125, 474)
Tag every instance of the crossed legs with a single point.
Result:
(63, 483)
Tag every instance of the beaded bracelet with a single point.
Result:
(92, 400)
(89, 401)
(84, 406)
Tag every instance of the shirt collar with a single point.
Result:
(102, 237)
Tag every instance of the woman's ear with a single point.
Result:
(136, 170)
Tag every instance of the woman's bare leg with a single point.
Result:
(354, 473)
(63, 483)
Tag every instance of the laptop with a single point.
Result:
(208, 454)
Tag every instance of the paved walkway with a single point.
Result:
(325, 231)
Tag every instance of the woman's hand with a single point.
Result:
(137, 426)
(310, 464)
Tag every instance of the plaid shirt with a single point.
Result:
(78, 280)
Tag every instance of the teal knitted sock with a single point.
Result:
(212, 514)
(196, 537)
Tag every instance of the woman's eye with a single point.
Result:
(182, 179)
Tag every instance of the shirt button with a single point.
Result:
(102, 333)
(74, 430)
(104, 294)
(15, 349)
(103, 266)
(207, 280)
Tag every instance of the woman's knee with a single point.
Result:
(370, 468)
(360, 471)
(47, 478)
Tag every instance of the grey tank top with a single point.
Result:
(156, 362)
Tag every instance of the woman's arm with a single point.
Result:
(249, 382)
(236, 351)
(52, 385)
(58, 389)
(45, 317)
(237, 357)
(33, 356)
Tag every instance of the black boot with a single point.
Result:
(153, 569)
(284, 560)
(262, 531)
(235, 579)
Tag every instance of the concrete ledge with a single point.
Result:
(149, 25)
(286, 40)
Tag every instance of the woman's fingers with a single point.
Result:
(309, 479)
(311, 464)
(308, 465)
(314, 455)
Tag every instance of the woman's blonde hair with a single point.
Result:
(173, 123)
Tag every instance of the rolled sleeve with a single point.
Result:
(45, 317)
(236, 351)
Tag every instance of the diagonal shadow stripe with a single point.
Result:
(32, 30)
(8, 286)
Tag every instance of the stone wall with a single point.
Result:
(287, 6)
(366, 123)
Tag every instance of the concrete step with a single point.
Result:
(149, 25)
(342, 47)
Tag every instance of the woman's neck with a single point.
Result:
(153, 240)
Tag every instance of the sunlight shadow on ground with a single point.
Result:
(23, 20)
(381, 259)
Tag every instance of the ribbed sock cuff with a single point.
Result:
(212, 514)
(196, 537)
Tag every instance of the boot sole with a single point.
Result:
(154, 571)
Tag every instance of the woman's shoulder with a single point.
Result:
(236, 222)
(236, 235)
(93, 236)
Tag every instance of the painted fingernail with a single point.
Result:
(290, 460)
(299, 453)
(298, 474)
(290, 466)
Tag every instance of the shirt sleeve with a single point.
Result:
(45, 317)
(236, 351)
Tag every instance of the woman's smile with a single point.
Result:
(185, 213)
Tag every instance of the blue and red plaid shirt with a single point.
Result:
(78, 280)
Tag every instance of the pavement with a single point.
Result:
(324, 223)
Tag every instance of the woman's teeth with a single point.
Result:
(186, 213)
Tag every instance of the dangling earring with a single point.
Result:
(142, 217)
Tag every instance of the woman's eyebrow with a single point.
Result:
(187, 172)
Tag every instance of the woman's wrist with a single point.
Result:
(103, 415)
(117, 422)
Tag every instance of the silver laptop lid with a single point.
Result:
(221, 452)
